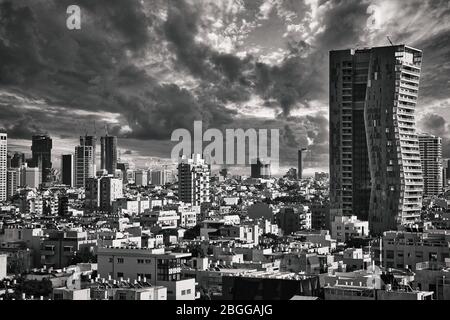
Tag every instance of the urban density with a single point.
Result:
(91, 223)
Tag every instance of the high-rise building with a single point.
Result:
(12, 182)
(159, 177)
(431, 159)
(30, 177)
(17, 160)
(141, 178)
(84, 164)
(260, 170)
(41, 151)
(109, 153)
(300, 164)
(68, 170)
(102, 191)
(375, 170)
(193, 180)
(3, 164)
(90, 141)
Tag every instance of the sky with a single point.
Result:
(142, 69)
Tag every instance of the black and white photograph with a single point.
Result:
(216, 151)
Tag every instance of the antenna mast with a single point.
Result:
(389, 39)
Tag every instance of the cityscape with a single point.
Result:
(84, 216)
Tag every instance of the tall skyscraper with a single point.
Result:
(431, 159)
(3, 164)
(84, 163)
(41, 150)
(109, 153)
(68, 170)
(90, 141)
(193, 180)
(375, 170)
(300, 163)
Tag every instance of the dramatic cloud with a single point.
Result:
(145, 68)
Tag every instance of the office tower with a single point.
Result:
(260, 170)
(90, 141)
(41, 150)
(141, 178)
(3, 164)
(375, 170)
(67, 170)
(17, 160)
(12, 182)
(84, 164)
(109, 154)
(431, 160)
(32, 177)
(159, 177)
(300, 163)
(193, 180)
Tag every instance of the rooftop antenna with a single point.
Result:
(106, 129)
(95, 129)
(389, 39)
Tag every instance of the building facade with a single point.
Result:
(84, 163)
(375, 169)
(68, 170)
(431, 160)
(3, 164)
(193, 180)
(109, 154)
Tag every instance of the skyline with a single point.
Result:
(145, 76)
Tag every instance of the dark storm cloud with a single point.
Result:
(93, 68)
(235, 78)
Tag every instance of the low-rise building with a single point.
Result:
(158, 267)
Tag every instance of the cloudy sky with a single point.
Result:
(145, 68)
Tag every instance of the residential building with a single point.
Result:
(193, 180)
(3, 165)
(375, 169)
(431, 160)
(155, 266)
(344, 228)
(84, 162)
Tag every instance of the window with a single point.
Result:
(148, 276)
(183, 292)
(119, 274)
(389, 254)
(119, 260)
(58, 296)
(140, 261)
(189, 291)
(122, 296)
(111, 260)
(67, 249)
(148, 261)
